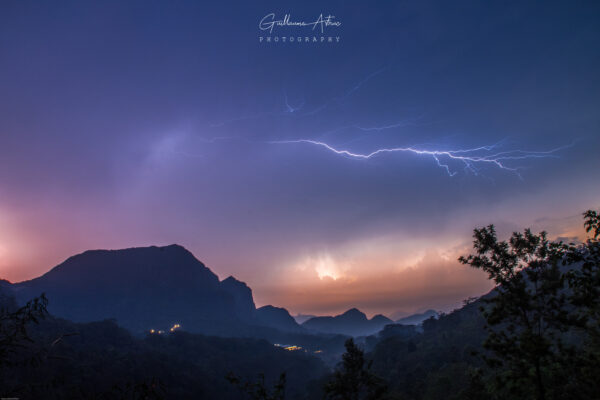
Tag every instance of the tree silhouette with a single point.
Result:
(353, 379)
(258, 390)
(546, 299)
(14, 322)
(584, 285)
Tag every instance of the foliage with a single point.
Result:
(14, 324)
(435, 364)
(584, 283)
(544, 311)
(527, 306)
(535, 336)
(353, 379)
(105, 361)
(545, 299)
(258, 390)
(152, 389)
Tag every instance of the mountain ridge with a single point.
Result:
(417, 319)
(141, 287)
(157, 286)
(353, 322)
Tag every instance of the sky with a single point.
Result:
(326, 175)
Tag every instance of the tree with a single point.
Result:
(526, 308)
(584, 284)
(353, 379)
(152, 389)
(14, 323)
(258, 390)
(585, 281)
(546, 292)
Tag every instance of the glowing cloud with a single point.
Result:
(323, 265)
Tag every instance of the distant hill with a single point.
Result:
(399, 314)
(353, 323)
(156, 287)
(143, 288)
(104, 361)
(302, 318)
(279, 318)
(441, 354)
(417, 319)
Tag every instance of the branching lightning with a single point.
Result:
(471, 159)
(363, 81)
(290, 110)
(400, 124)
(348, 93)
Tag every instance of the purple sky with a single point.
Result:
(149, 123)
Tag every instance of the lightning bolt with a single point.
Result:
(400, 124)
(290, 110)
(471, 158)
(348, 93)
(363, 81)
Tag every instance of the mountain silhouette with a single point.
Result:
(353, 323)
(142, 288)
(278, 318)
(302, 318)
(244, 307)
(417, 319)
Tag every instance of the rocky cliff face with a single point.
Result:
(243, 302)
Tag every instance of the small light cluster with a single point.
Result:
(160, 332)
(289, 347)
